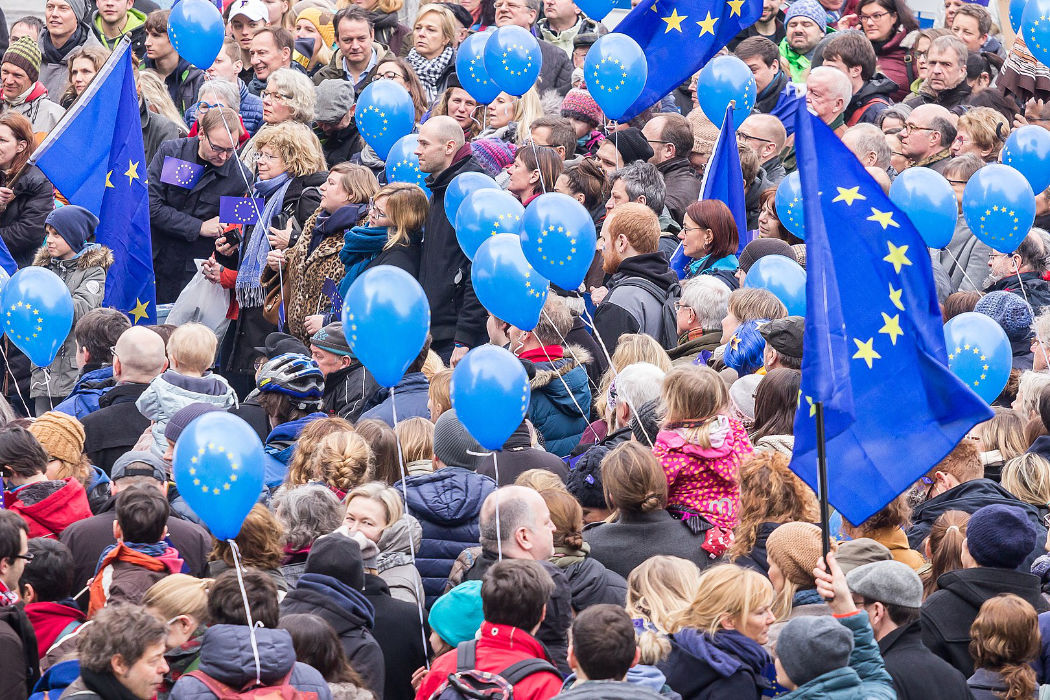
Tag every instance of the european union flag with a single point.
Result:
(724, 181)
(180, 173)
(240, 210)
(874, 345)
(94, 157)
(791, 98)
(680, 36)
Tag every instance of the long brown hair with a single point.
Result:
(776, 400)
(567, 516)
(769, 493)
(633, 480)
(23, 131)
(945, 547)
(1005, 638)
(406, 207)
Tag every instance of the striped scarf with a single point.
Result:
(429, 70)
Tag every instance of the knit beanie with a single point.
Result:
(184, 416)
(645, 423)
(338, 556)
(80, 8)
(457, 615)
(61, 435)
(1000, 536)
(454, 446)
(800, 254)
(584, 481)
(332, 339)
(75, 224)
(1008, 310)
(760, 248)
(796, 548)
(810, 9)
(810, 646)
(322, 22)
(25, 54)
(493, 155)
(578, 104)
(705, 133)
(631, 145)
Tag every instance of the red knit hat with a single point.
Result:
(579, 104)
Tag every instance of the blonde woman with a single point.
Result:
(314, 24)
(433, 55)
(657, 590)
(416, 436)
(303, 467)
(717, 640)
(510, 118)
(344, 461)
(314, 258)
(181, 603)
(981, 131)
(1028, 478)
(631, 348)
(1000, 439)
(377, 512)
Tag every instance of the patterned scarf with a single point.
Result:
(249, 275)
(429, 70)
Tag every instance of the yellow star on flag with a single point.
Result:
(674, 21)
(892, 327)
(109, 175)
(133, 171)
(139, 312)
(895, 297)
(865, 351)
(735, 6)
(848, 195)
(897, 256)
(885, 218)
(707, 25)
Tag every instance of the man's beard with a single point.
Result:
(991, 279)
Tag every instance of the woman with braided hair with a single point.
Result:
(343, 461)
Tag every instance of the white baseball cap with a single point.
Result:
(254, 10)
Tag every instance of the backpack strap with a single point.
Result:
(515, 673)
(217, 688)
(466, 656)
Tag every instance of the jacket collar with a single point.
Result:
(511, 639)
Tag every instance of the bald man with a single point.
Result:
(457, 318)
(765, 135)
(112, 430)
(928, 133)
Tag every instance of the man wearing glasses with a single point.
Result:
(927, 134)
(20, 669)
(765, 135)
(184, 220)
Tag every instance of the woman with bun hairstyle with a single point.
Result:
(1004, 640)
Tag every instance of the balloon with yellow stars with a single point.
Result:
(615, 71)
(483, 214)
(789, 207)
(725, 80)
(999, 206)
(1035, 26)
(490, 392)
(38, 313)
(978, 353)
(384, 114)
(218, 468)
(506, 284)
(471, 71)
(559, 239)
(402, 164)
(513, 59)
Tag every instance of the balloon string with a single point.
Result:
(18, 390)
(499, 535)
(411, 544)
(962, 268)
(561, 377)
(247, 608)
(47, 387)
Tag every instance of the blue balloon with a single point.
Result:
(470, 68)
(490, 392)
(1036, 29)
(782, 276)
(506, 284)
(513, 59)
(218, 468)
(39, 313)
(558, 237)
(723, 80)
(386, 317)
(929, 201)
(483, 214)
(1016, 11)
(596, 9)
(402, 163)
(978, 353)
(463, 185)
(999, 206)
(788, 203)
(615, 71)
(384, 114)
(1028, 150)
(196, 31)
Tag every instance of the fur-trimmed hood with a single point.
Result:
(93, 255)
(547, 372)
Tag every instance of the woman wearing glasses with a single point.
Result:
(289, 96)
(886, 23)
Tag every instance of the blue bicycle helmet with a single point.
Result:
(296, 376)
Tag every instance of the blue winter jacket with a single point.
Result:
(89, 388)
(447, 503)
(561, 400)
(280, 446)
(410, 394)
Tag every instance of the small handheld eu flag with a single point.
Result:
(240, 210)
(180, 173)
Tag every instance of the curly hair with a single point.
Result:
(1005, 638)
(769, 493)
(307, 512)
(295, 144)
(120, 629)
(303, 467)
(260, 541)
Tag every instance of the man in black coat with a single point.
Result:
(890, 592)
(399, 635)
(1021, 272)
(185, 220)
(457, 321)
(518, 456)
(116, 426)
(347, 384)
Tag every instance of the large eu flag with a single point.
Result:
(94, 156)
(680, 36)
(874, 344)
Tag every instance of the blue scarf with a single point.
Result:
(701, 265)
(361, 245)
(253, 260)
(153, 549)
(725, 652)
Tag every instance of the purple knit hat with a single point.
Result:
(579, 104)
(493, 154)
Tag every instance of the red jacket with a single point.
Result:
(52, 621)
(51, 516)
(499, 646)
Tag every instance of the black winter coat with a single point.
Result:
(918, 673)
(950, 611)
(116, 426)
(444, 269)
(176, 214)
(592, 584)
(404, 256)
(347, 391)
(155, 130)
(399, 636)
(341, 146)
(518, 455)
(22, 222)
(758, 558)
(690, 672)
(626, 543)
(1036, 289)
(682, 186)
(556, 71)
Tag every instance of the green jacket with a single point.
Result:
(865, 678)
(798, 63)
(135, 27)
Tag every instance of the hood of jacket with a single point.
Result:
(59, 506)
(607, 690)
(345, 608)
(833, 684)
(724, 654)
(650, 266)
(647, 677)
(208, 385)
(448, 496)
(93, 255)
(285, 434)
(878, 85)
(398, 541)
(978, 585)
(970, 497)
(226, 654)
(554, 380)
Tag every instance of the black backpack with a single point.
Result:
(468, 683)
(668, 337)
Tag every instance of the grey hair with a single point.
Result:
(227, 91)
(870, 139)
(514, 513)
(899, 111)
(708, 297)
(950, 41)
(1041, 328)
(837, 81)
(119, 628)
(534, 5)
(307, 512)
(642, 179)
(301, 89)
(640, 383)
(1030, 387)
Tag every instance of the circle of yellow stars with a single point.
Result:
(530, 290)
(997, 213)
(1032, 38)
(368, 125)
(977, 352)
(521, 52)
(505, 222)
(32, 312)
(413, 166)
(553, 228)
(230, 477)
(611, 73)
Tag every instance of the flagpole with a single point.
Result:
(822, 480)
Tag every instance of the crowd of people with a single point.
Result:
(640, 535)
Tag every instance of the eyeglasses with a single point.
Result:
(375, 209)
(678, 306)
(908, 128)
(390, 75)
(210, 105)
(28, 556)
(741, 136)
(217, 149)
(276, 96)
(265, 156)
(922, 54)
(877, 17)
(956, 182)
